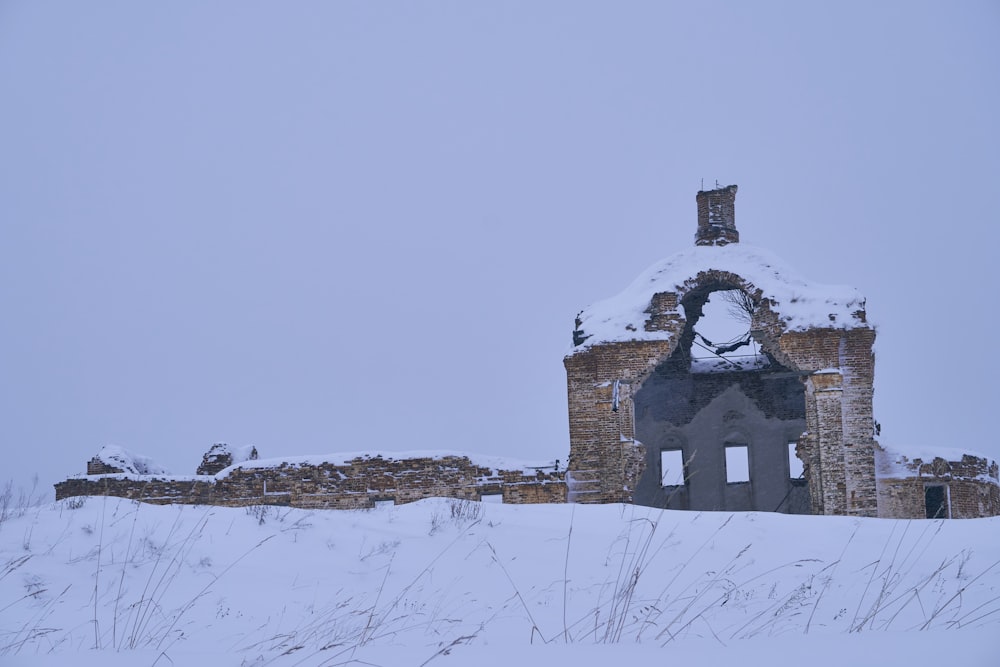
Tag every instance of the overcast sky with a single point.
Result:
(336, 226)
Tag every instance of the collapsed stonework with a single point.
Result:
(344, 481)
(659, 415)
(221, 456)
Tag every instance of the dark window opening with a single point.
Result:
(936, 501)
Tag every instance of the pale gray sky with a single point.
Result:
(328, 226)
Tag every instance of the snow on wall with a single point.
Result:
(238, 454)
(141, 468)
(494, 463)
(893, 463)
(121, 458)
(802, 305)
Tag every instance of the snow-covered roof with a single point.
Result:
(119, 457)
(801, 304)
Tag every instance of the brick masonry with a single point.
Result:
(358, 483)
(835, 364)
(839, 445)
(717, 217)
(971, 484)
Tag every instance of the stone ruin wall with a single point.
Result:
(973, 483)
(357, 484)
(973, 488)
(837, 448)
(605, 460)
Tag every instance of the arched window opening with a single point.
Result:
(721, 332)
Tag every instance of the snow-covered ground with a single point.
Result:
(452, 582)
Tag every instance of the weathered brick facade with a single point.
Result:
(717, 217)
(357, 483)
(827, 346)
(834, 361)
(220, 457)
(838, 449)
(967, 488)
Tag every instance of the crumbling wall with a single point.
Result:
(358, 483)
(96, 466)
(605, 459)
(839, 443)
(836, 364)
(146, 488)
(220, 456)
(972, 487)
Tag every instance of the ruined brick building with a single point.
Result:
(787, 429)
(659, 415)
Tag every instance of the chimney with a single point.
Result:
(717, 217)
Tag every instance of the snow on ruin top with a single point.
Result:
(801, 304)
(123, 459)
(494, 463)
(238, 454)
(894, 463)
(141, 467)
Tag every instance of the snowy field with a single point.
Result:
(105, 581)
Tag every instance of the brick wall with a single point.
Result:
(839, 445)
(96, 466)
(717, 216)
(151, 489)
(605, 461)
(219, 457)
(838, 448)
(356, 484)
(972, 483)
